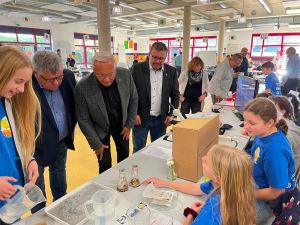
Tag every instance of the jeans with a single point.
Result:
(186, 106)
(178, 68)
(122, 147)
(263, 213)
(57, 177)
(157, 129)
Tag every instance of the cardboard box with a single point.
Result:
(192, 138)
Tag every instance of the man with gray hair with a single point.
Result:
(106, 105)
(292, 78)
(55, 89)
(222, 79)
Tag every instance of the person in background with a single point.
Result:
(20, 121)
(292, 78)
(54, 87)
(156, 83)
(286, 110)
(58, 52)
(178, 63)
(193, 86)
(229, 190)
(270, 145)
(277, 61)
(70, 61)
(222, 78)
(241, 69)
(272, 82)
(173, 60)
(106, 105)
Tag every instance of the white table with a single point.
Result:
(149, 166)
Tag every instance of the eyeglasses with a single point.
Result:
(51, 80)
(158, 58)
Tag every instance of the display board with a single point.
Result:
(208, 57)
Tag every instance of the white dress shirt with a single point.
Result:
(156, 79)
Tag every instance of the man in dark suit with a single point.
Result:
(55, 90)
(106, 105)
(156, 82)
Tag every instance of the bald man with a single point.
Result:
(243, 68)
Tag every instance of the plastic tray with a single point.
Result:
(69, 210)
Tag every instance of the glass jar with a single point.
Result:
(135, 179)
(122, 184)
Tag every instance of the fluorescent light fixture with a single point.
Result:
(243, 29)
(168, 18)
(266, 5)
(162, 2)
(294, 25)
(203, 1)
(228, 30)
(121, 19)
(127, 6)
(223, 6)
(292, 11)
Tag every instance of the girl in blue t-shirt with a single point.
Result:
(273, 159)
(229, 191)
(19, 109)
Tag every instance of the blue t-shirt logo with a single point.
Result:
(256, 154)
(5, 128)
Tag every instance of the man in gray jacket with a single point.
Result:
(222, 79)
(106, 105)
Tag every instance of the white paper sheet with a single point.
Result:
(158, 152)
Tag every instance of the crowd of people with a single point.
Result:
(41, 103)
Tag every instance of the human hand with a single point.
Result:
(168, 120)
(125, 132)
(138, 121)
(6, 188)
(33, 171)
(218, 98)
(197, 206)
(181, 98)
(99, 151)
(156, 182)
(202, 98)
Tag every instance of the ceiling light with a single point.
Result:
(243, 29)
(121, 19)
(223, 6)
(203, 1)
(46, 18)
(276, 27)
(117, 9)
(127, 6)
(266, 5)
(228, 30)
(178, 23)
(242, 18)
(162, 2)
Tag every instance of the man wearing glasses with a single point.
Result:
(55, 90)
(156, 83)
(106, 105)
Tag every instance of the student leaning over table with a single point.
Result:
(273, 159)
(230, 189)
(17, 121)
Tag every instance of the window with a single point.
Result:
(85, 48)
(28, 40)
(274, 43)
(206, 43)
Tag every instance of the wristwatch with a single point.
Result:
(187, 211)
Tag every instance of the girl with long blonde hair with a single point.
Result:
(230, 189)
(19, 120)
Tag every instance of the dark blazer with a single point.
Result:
(46, 144)
(91, 110)
(141, 76)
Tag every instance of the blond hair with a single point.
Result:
(25, 106)
(234, 168)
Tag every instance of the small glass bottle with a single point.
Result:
(135, 179)
(122, 184)
(171, 173)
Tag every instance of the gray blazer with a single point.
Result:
(90, 106)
